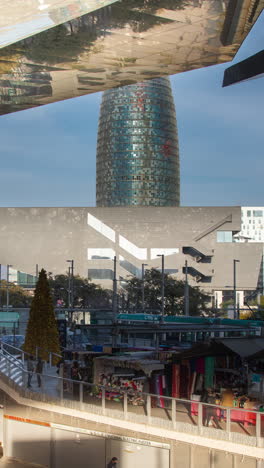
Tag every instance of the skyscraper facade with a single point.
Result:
(137, 147)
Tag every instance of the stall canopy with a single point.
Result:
(244, 347)
(127, 362)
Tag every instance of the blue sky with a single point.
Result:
(48, 154)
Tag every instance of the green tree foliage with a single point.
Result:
(85, 293)
(259, 313)
(18, 297)
(66, 42)
(142, 15)
(42, 328)
(174, 295)
(57, 45)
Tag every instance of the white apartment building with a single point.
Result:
(252, 224)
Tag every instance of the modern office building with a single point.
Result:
(137, 147)
(204, 236)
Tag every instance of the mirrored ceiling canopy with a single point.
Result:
(116, 44)
(23, 18)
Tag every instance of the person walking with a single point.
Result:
(30, 369)
(39, 370)
(76, 377)
(210, 411)
(113, 463)
(227, 401)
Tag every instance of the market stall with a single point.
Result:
(220, 365)
(82, 362)
(130, 373)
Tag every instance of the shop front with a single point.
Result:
(133, 374)
(224, 367)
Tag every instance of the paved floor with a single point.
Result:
(51, 386)
(13, 463)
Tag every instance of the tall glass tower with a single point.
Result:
(137, 147)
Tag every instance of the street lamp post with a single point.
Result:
(37, 274)
(7, 286)
(236, 312)
(143, 285)
(70, 288)
(114, 303)
(186, 291)
(162, 286)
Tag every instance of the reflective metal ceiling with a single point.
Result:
(119, 44)
(23, 18)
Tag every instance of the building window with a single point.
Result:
(228, 295)
(224, 236)
(102, 273)
(257, 213)
(248, 213)
(100, 254)
(129, 267)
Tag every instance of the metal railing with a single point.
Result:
(24, 354)
(50, 354)
(18, 352)
(11, 367)
(238, 425)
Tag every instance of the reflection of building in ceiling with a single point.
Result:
(127, 42)
(239, 18)
(137, 147)
(28, 87)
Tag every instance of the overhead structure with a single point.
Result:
(252, 67)
(68, 48)
(21, 19)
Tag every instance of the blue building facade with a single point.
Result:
(137, 147)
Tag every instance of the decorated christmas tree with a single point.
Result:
(42, 328)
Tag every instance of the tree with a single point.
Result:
(58, 45)
(174, 294)
(66, 42)
(142, 15)
(18, 297)
(85, 293)
(42, 328)
(259, 313)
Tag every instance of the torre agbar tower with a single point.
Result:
(137, 147)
